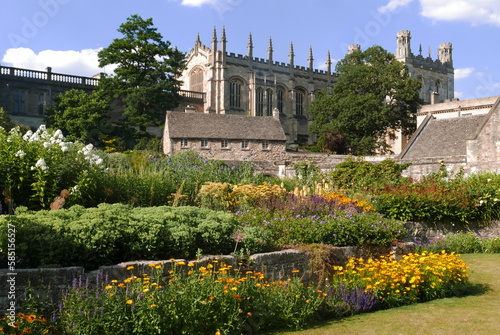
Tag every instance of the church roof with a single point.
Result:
(224, 126)
(442, 137)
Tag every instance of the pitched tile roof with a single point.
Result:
(224, 126)
(442, 137)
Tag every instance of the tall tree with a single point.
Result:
(80, 116)
(145, 74)
(374, 96)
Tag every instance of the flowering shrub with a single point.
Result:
(191, 299)
(38, 165)
(339, 228)
(226, 196)
(414, 278)
(443, 199)
(26, 324)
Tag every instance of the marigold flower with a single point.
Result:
(131, 267)
(129, 302)
(108, 287)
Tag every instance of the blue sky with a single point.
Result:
(66, 34)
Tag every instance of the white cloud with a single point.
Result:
(220, 6)
(394, 4)
(473, 11)
(80, 63)
(463, 73)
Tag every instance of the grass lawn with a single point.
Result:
(478, 313)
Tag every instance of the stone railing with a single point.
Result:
(48, 76)
(192, 95)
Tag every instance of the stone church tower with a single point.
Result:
(436, 75)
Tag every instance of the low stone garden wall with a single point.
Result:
(49, 283)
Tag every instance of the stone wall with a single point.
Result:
(420, 232)
(49, 283)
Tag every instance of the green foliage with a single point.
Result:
(373, 96)
(110, 234)
(357, 175)
(146, 72)
(145, 179)
(462, 243)
(80, 116)
(317, 220)
(443, 199)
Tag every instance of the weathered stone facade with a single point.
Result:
(26, 94)
(225, 136)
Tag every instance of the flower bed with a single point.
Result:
(221, 299)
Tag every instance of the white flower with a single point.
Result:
(28, 135)
(64, 146)
(46, 144)
(40, 164)
(58, 134)
(20, 153)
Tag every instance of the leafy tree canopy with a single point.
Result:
(374, 96)
(80, 116)
(145, 74)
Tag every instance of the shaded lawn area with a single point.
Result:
(476, 313)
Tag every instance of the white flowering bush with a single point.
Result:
(36, 166)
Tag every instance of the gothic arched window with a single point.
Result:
(299, 102)
(269, 102)
(196, 80)
(259, 102)
(235, 93)
(280, 99)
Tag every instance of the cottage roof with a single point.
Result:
(224, 126)
(442, 137)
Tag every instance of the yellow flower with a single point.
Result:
(130, 267)
(129, 302)
(108, 287)
(154, 305)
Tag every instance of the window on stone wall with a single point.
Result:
(235, 94)
(204, 143)
(224, 144)
(19, 102)
(196, 80)
(41, 104)
(299, 102)
(280, 96)
(265, 145)
(269, 102)
(184, 143)
(244, 144)
(259, 102)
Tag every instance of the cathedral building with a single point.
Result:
(220, 82)
(226, 83)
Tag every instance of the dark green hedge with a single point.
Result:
(113, 233)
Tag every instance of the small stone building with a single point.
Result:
(458, 135)
(225, 136)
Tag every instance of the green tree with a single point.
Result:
(374, 96)
(145, 74)
(80, 116)
(5, 121)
